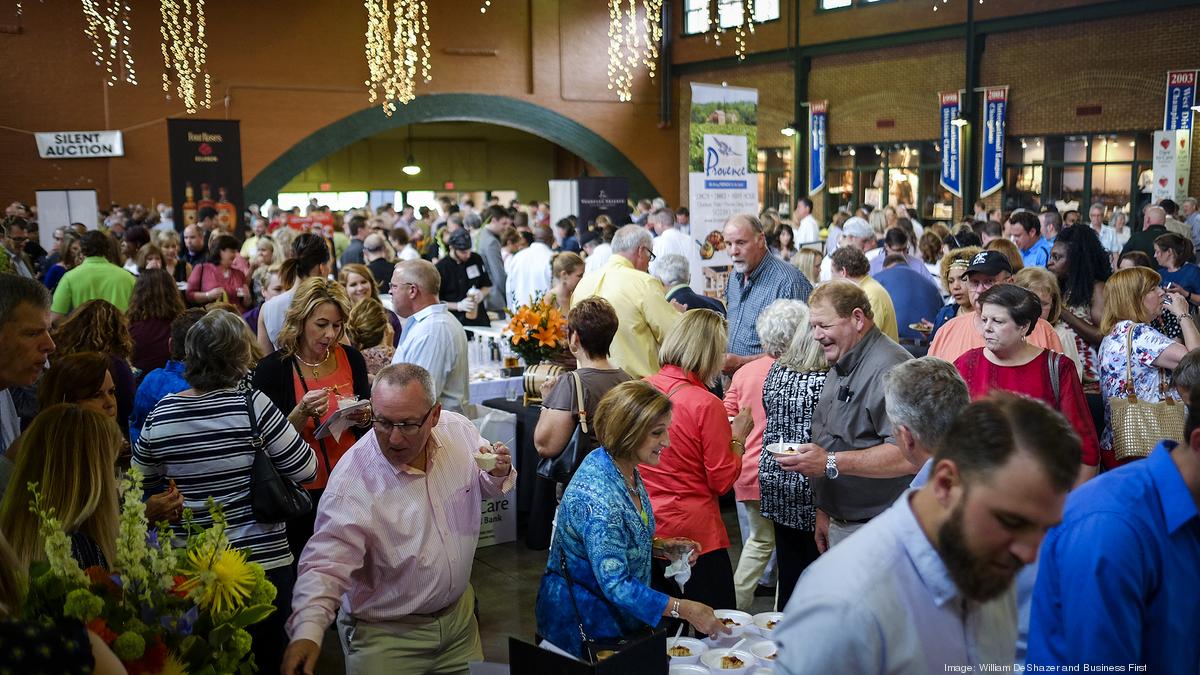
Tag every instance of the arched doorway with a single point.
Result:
(499, 110)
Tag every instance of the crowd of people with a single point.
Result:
(935, 434)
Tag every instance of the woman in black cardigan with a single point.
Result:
(308, 376)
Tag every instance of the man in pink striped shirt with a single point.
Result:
(395, 538)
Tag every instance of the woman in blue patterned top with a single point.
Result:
(604, 538)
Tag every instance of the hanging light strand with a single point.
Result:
(185, 53)
(397, 50)
(633, 39)
(107, 26)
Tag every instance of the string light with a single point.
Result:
(487, 4)
(107, 26)
(741, 30)
(185, 52)
(632, 39)
(397, 48)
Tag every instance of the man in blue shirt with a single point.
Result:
(758, 279)
(166, 380)
(1025, 230)
(914, 296)
(926, 586)
(1118, 578)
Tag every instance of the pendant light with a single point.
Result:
(410, 163)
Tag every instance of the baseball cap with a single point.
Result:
(857, 227)
(989, 262)
(460, 239)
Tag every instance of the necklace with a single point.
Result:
(318, 364)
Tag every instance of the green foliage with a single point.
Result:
(251, 615)
(747, 111)
(696, 143)
(83, 605)
(129, 646)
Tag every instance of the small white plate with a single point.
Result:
(688, 669)
(712, 659)
(762, 619)
(696, 647)
(786, 448)
(741, 621)
(764, 651)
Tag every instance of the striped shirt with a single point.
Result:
(394, 542)
(746, 298)
(203, 443)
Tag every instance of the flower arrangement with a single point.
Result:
(537, 330)
(162, 610)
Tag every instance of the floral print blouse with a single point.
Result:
(1145, 378)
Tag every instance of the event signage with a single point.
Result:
(1172, 164)
(995, 111)
(818, 120)
(951, 177)
(79, 144)
(206, 170)
(602, 196)
(1181, 96)
(722, 159)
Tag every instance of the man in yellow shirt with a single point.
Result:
(851, 263)
(643, 312)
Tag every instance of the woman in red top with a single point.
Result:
(307, 377)
(1007, 314)
(218, 277)
(703, 460)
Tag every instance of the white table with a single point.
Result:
(482, 390)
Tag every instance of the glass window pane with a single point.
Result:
(766, 10)
(1110, 186)
(291, 200)
(695, 22)
(902, 185)
(1145, 147)
(730, 12)
(348, 200)
(834, 4)
(1113, 148)
(419, 198)
(1066, 187)
(1022, 187)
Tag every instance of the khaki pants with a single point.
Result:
(413, 645)
(756, 553)
(840, 529)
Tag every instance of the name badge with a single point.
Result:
(473, 272)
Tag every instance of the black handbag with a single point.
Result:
(595, 651)
(560, 468)
(274, 498)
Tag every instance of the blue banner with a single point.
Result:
(818, 119)
(1181, 96)
(995, 111)
(951, 178)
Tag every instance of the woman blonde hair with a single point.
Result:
(71, 453)
(1123, 293)
(696, 344)
(95, 326)
(626, 414)
(312, 293)
(808, 261)
(362, 271)
(566, 261)
(1041, 280)
(367, 324)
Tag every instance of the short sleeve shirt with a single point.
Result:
(596, 383)
(460, 277)
(1148, 344)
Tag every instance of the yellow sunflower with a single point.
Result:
(223, 578)
(173, 666)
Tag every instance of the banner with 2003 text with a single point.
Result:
(1181, 96)
(951, 177)
(818, 121)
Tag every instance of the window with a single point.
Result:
(834, 4)
(696, 17)
(336, 201)
(1073, 172)
(879, 175)
(775, 179)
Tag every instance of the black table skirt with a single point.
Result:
(535, 495)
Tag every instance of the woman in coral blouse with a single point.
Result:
(1007, 314)
(703, 460)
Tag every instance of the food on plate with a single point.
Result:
(730, 622)
(716, 239)
(730, 662)
(679, 651)
(771, 625)
(707, 250)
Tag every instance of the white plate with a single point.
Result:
(742, 621)
(696, 646)
(764, 651)
(688, 669)
(782, 448)
(763, 618)
(712, 659)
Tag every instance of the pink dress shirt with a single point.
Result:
(746, 391)
(390, 542)
(696, 469)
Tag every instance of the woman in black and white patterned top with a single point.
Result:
(790, 394)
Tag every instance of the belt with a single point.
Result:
(840, 521)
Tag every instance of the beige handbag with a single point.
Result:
(1138, 426)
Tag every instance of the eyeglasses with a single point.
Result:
(392, 287)
(650, 252)
(406, 428)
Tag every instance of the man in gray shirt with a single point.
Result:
(488, 247)
(857, 468)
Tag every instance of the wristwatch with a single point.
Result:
(831, 470)
(675, 609)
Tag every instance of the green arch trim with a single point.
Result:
(499, 110)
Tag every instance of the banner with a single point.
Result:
(1181, 96)
(722, 159)
(818, 120)
(206, 170)
(995, 112)
(79, 144)
(602, 196)
(1172, 164)
(951, 178)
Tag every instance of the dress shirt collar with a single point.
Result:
(436, 308)
(745, 280)
(679, 375)
(173, 366)
(857, 353)
(1034, 246)
(925, 558)
(1174, 497)
(618, 260)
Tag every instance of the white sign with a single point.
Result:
(498, 517)
(80, 144)
(1172, 164)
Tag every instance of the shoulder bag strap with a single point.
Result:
(562, 562)
(320, 441)
(583, 424)
(1131, 392)
(256, 439)
(1052, 364)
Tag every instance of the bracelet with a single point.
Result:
(741, 443)
(674, 608)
